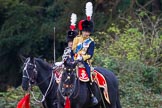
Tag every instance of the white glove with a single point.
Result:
(79, 57)
(66, 54)
(58, 63)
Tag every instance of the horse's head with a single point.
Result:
(29, 73)
(68, 79)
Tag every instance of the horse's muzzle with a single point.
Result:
(25, 84)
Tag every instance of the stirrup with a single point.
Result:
(94, 100)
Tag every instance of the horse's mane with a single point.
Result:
(45, 65)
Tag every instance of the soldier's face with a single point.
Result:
(85, 33)
(70, 44)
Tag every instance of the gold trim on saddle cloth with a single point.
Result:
(81, 73)
(96, 77)
(101, 82)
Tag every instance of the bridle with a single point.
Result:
(69, 72)
(33, 79)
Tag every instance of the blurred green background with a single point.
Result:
(128, 37)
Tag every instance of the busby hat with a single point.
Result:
(72, 33)
(87, 24)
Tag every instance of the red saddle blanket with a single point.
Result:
(97, 77)
(58, 74)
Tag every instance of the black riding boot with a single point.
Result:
(94, 100)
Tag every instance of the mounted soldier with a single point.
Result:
(77, 87)
(71, 34)
(83, 45)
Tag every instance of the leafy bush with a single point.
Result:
(132, 50)
(139, 84)
(10, 98)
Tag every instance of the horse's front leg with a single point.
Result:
(60, 103)
(60, 106)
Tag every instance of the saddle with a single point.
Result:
(82, 75)
(57, 70)
(96, 77)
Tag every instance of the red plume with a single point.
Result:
(80, 25)
(67, 103)
(24, 102)
(72, 27)
(88, 18)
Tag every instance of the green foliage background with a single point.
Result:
(128, 38)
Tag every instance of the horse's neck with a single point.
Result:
(77, 88)
(43, 80)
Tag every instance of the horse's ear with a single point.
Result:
(22, 58)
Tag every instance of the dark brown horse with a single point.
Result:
(79, 93)
(38, 72)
